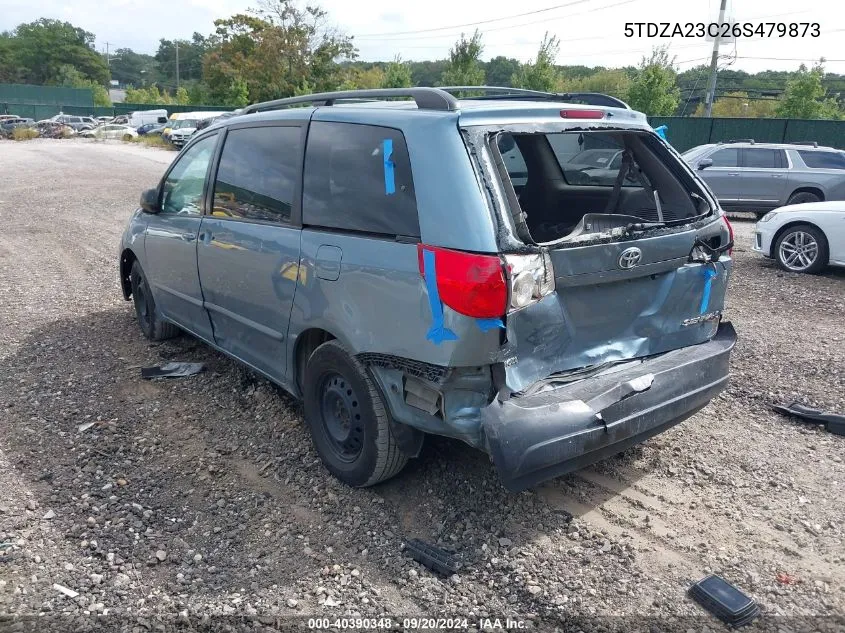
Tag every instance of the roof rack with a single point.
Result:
(504, 92)
(738, 140)
(425, 98)
(810, 143)
(439, 98)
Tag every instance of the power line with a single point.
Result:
(458, 26)
(498, 28)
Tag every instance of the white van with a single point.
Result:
(142, 117)
(186, 125)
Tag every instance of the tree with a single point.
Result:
(397, 74)
(614, 82)
(541, 74)
(274, 52)
(500, 69)
(804, 96)
(654, 90)
(131, 68)
(34, 53)
(191, 55)
(464, 68)
(739, 105)
(68, 76)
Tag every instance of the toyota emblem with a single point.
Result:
(630, 257)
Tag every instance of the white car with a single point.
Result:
(111, 130)
(803, 238)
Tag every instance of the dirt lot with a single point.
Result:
(203, 497)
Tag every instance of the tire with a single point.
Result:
(349, 424)
(152, 325)
(800, 197)
(127, 137)
(801, 249)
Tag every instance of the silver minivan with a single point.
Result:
(538, 275)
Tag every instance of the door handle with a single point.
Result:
(777, 175)
(733, 173)
(188, 237)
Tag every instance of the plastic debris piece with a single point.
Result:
(785, 579)
(833, 422)
(86, 426)
(70, 593)
(436, 559)
(172, 370)
(724, 601)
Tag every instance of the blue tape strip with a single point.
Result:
(709, 275)
(389, 178)
(438, 332)
(485, 325)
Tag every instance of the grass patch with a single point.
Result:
(153, 140)
(24, 134)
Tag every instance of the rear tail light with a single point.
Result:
(531, 278)
(470, 284)
(582, 114)
(488, 286)
(730, 232)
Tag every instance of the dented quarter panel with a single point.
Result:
(379, 304)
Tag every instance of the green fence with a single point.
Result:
(686, 132)
(42, 102)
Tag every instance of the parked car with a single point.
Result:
(8, 124)
(75, 122)
(803, 238)
(111, 130)
(147, 127)
(377, 261)
(184, 128)
(749, 176)
(102, 120)
(54, 129)
(201, 125)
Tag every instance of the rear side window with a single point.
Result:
(764, 158)
(823, 160)
(725, 158)
(257, 176)
(358, 178)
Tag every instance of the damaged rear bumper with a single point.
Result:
(535, 438)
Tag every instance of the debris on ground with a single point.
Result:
(785, 579)
(434, 558)
(70, 593)
(725, 601)
(172, 370)
(833, 422)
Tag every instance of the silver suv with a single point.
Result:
(758, 177)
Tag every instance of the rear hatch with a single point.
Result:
(639, 252)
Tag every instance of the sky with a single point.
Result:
(591, 32)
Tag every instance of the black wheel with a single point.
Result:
(801, 197)
(347, 418)
(801, 249)
(149, 320)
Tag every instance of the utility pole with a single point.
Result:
(177, 63)
(711, 83)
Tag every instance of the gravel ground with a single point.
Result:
(193, 499)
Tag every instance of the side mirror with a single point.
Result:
(149, 201)
(704, 163)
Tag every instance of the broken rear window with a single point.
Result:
(560, 177)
